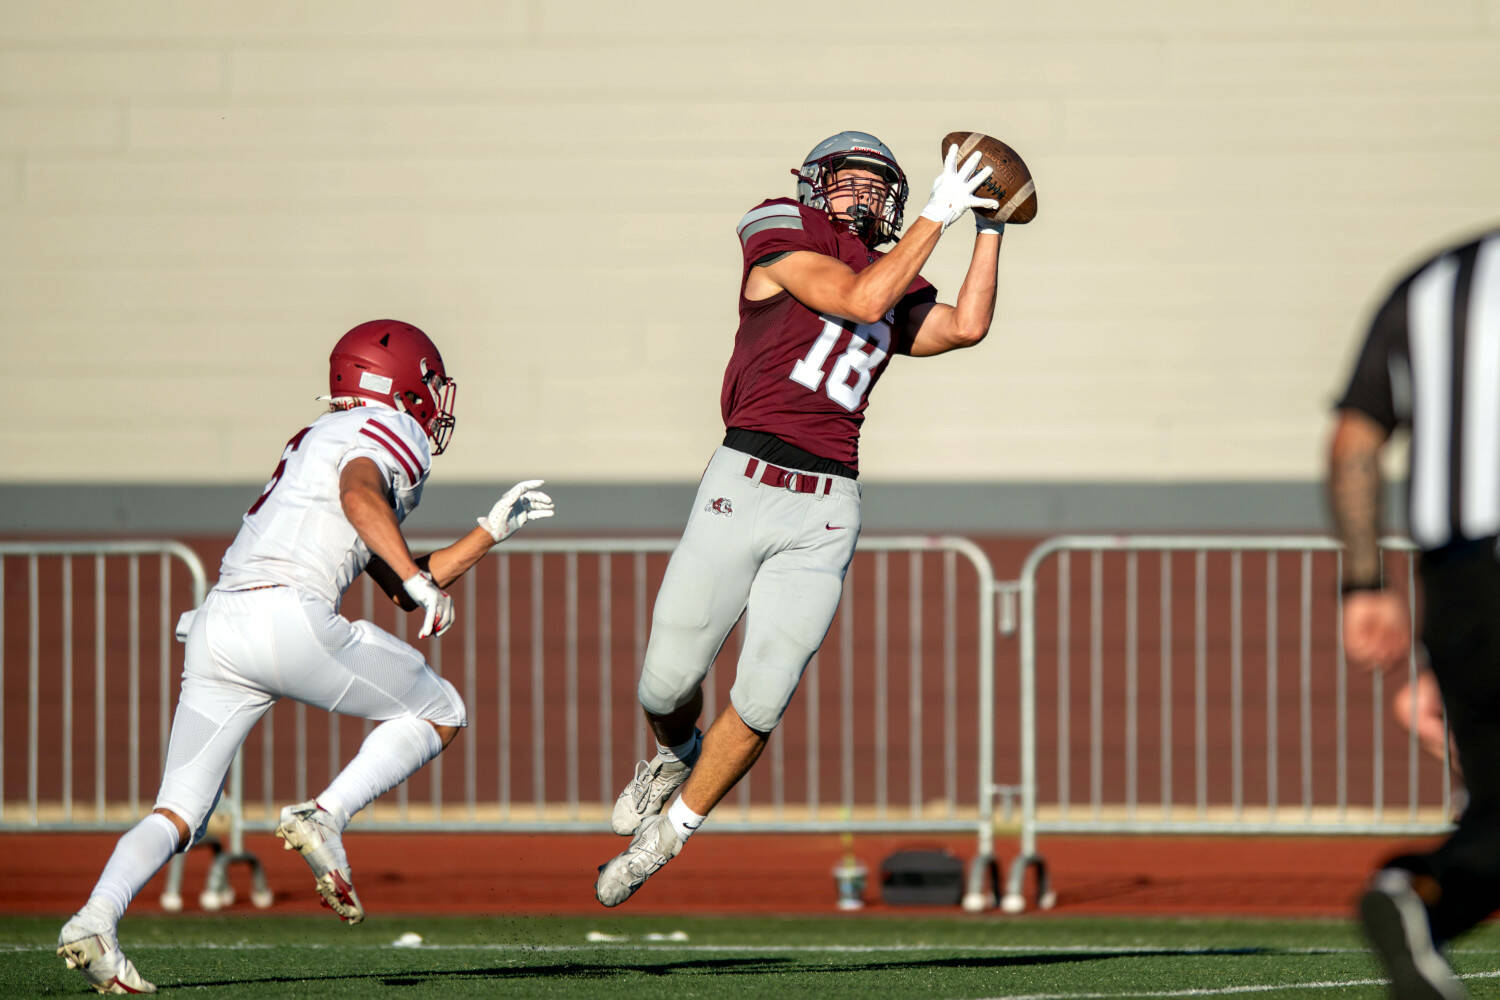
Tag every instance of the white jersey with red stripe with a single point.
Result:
(296, 534)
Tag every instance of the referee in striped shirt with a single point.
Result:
(1431, 363)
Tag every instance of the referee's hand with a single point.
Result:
(1377, 629)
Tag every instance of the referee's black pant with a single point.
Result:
(1461, 587)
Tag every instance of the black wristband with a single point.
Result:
(1352, 588)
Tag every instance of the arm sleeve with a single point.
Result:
(1372, 390)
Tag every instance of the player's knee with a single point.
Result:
(445, 734)
(663, 692)
(770, 668)
(188, 807)
(677, 660)
(185, 830)
(451, 714)
(760, 718)
(447, 718)
(655, 697)
(761, 701)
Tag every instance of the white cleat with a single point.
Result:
(1395, 922)
(90, 947)
(309, 830)
(647, 794)
(655, 844)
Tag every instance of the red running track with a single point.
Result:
(513, 873)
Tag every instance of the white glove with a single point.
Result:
(521, 503)
(439, 605)
(953, 191)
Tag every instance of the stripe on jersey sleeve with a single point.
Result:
(398, 448)
(401, 443)
(758, 220)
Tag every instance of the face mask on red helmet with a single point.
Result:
(395, 363)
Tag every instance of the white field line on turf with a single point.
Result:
(1336, 984)
(668, 946)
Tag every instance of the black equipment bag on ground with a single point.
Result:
(916, 877)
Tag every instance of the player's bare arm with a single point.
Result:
(827, 285)
(941, 328)
(1377, 628)
(451, 562)
(521, 504)
(1354, 494)
(363, 497)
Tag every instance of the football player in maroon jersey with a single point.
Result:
(777, 514)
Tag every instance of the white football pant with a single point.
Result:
(247, 649)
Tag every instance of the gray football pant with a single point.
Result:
(778, 557)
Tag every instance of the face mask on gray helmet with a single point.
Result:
(871, 207)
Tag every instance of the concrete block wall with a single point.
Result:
(199, 197)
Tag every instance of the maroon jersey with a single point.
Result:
(804, 376)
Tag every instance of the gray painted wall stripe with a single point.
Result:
(591, 508)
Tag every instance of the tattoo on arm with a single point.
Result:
(1354, 496)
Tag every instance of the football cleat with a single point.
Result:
(309, 830)
(647, 793)
(1395, 922)
(90, 947)
(654, 844)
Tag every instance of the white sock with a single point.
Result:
(685, 752)
(393, 752)
(683, 819)
(138, 856)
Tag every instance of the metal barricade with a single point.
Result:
(102, 620)
(85, 720)
(891, 730)
(1214, 698)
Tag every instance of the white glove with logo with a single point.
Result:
(439, 605)
(521, 503)
(953, 191)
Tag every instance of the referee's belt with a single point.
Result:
(787, 479)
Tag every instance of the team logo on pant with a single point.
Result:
(720, 505)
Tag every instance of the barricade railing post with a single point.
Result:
(1231, 660)
(168, 553)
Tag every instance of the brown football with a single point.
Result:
(1009, 182)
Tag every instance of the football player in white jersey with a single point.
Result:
(270, 628)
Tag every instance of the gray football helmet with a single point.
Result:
(815, 179)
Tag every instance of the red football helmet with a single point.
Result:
(397, 364)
